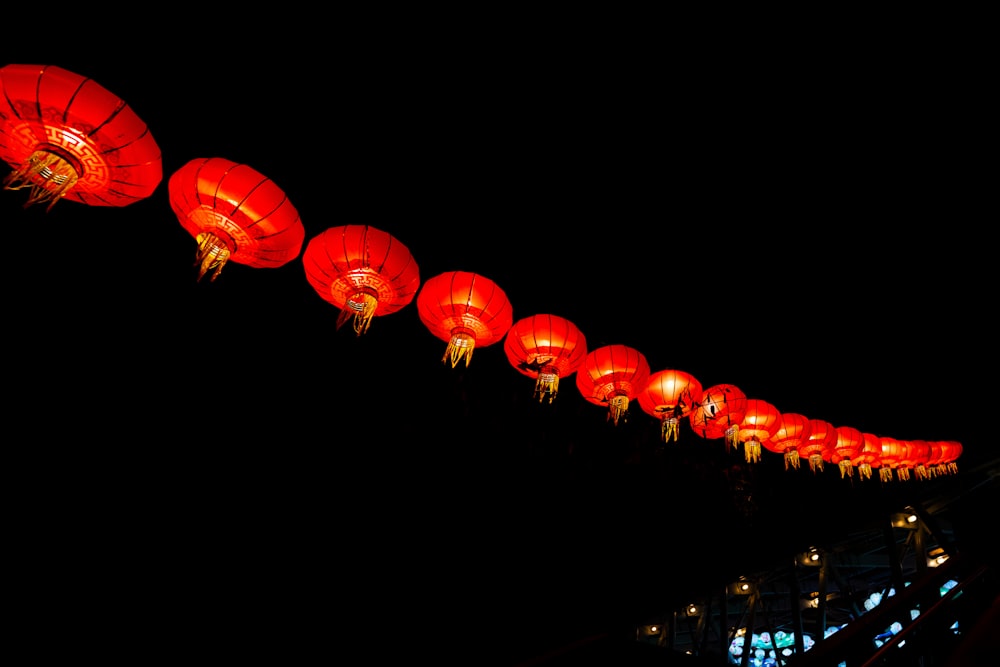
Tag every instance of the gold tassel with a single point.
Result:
(547, 384)
(362, 307)
(669, 429)
(48, 176)
(212, 255)
(618, 407)
(461, 346)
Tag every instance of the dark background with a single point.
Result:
(223, 469)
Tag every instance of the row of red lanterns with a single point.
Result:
(367, 272)
(68, 137)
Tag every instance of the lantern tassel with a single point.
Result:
(751, 449)
(617, 408)
(792, 459)
(361, 307)
(48, 176)
(547, 384)
(732, 437)
(212, 255)
(669, 429)
(461, 346)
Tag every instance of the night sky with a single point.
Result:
(813, 240)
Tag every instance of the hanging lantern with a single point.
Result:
(669, 395)
(793, 430)
(364, 271)
(465, 309)
(67, 137)
(950, 451)
(915, 460)
(822, 435)
(846, 446)
(611, 376)
(546, 348)
(869, 456)
(235, 213)
(935, 453)
(760, 423)
(719, 413)
(893, 451)
(940, 460)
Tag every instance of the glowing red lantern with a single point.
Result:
(611, 376)
(927, 462)
(719, 413)
(364, 271)
(760, 423)
(869, 456)
(235, 213)
(950, 451)
(66, 136)
(915, 460)
(793, 430)
(822, 435)
(893, 451)
(935, 453)
(669, 395)
(845, 447)
(545, 347)
(465, 309)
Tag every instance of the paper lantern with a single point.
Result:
(68, 137)
(822, 435)
(236, 214)
(719, 413)
(364, 271)
(545, 347)
(893, 451)
(670, 395)
(760, 421)
(915, 460)
(951, 450)
(845, 447)
(869, 456)
(465, 309)
(611, 376)
(793, 430)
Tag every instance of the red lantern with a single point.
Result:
(68, 137)
(934, 456)
(669, 395)
(793, 430)
(822, 435)
(364, 271)
(611, 376)
(950, 451)
(869, 456)
(545, 347)
(847, 445)
(719, 413)
(893, 451)
(759, 424)
(235, 213)
(465, 309)
(915, 460)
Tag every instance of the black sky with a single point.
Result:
(806, 232)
